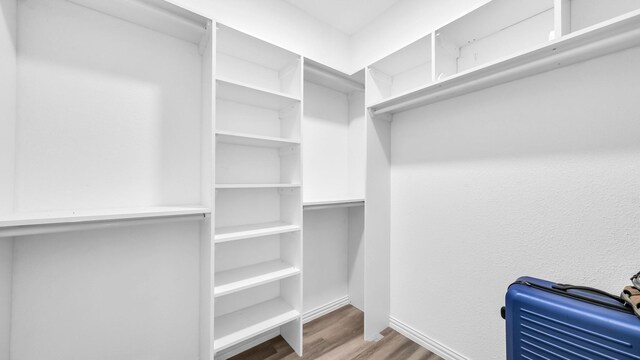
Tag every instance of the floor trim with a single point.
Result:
(325, 309)
(425, 341)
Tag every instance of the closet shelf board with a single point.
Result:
(247, 94)
(56, 217)
(607, 37)
(232, 233)
(241, 325)
(332, 203)
(256, 186)
(227, 137)
(231, 281)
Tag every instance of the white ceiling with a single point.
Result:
(348, 16)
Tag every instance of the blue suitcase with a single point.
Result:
(546, 320)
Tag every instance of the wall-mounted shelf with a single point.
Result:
(60, 221)
(228, 137)
(164, 17)
(610, 36)
(232, 233)
(252, 95)
(230, 281)
(233, 328)
(256, 186)
(332, 203)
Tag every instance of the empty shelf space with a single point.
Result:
(251, 95)
(233, 328)
(606, 38)
(56, 221)
(228, 137)
(232, 233)
(228, 282)
(318, 204)
(256, 186)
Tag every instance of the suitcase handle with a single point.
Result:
(566, 287)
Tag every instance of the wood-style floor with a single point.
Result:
(339, 336)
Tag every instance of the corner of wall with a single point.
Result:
(402, 24)
(8, 89)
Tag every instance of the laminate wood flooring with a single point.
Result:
(339, 336)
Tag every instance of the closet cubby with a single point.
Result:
(497, 30)
(584, 14)
(258, 206)
(250, 164)
(246, 208)
(333, 174)
(334, 178)
(405, 70)
(257, 287)
(108, 212)
(256, 66)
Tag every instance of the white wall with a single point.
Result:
(537, 177)
(326, 239)
(402, 24)
(7, 101)
(7, 155)
(121, 293)
(104, 122)
(6, 270)
(280, 23)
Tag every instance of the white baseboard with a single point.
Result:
(425, 341)
(325, 309)
(244, 346)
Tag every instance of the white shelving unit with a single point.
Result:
(407, 69)
(584, 14)
(504, 41)
(334, 190)
(494, 31)
(258, 235)
(108, 212)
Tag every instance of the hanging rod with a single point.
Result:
(333, 77)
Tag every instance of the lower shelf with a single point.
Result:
(236, 327)
(228, 282)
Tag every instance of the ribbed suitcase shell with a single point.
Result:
(544, 325)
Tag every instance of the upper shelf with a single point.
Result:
(252, 95)
(57, 221)
(608, 37)
(246, 47)
(332, 203)
(156, 15)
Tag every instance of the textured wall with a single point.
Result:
(7, 132)
(7, 101)
(536, 177)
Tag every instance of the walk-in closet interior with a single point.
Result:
(189, 179)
